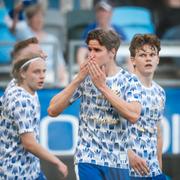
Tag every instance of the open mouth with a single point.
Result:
(41, 83)
(148, 65)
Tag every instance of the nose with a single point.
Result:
(148, 58)
(42, 75)
(92, 54)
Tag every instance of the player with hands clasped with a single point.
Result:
(108, 94)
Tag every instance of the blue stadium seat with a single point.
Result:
(6, 39)
(133, 20)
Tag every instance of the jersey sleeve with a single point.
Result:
(133, 90)
(23, 113)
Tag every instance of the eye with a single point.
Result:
(89, 49)
(153, 54)
(142, 55)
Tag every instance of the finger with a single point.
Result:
(93, 69)
(137, 171)
(145, 169)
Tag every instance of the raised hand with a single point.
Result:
(97, 74)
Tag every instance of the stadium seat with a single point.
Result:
(54, 23)
(133, 20)
(6, 39)
(76, 21)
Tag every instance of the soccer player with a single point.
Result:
(145, 139)
(107, 94)
(20, 117)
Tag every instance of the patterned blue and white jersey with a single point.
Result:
(20, 114)
(143, 134)
(101, 127)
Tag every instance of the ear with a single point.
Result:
(132, 60)
(113, 52)
(22, 74)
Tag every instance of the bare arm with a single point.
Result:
(16, 12)
(159, 144)
(29, 143)
(130, 111)
(60, 101)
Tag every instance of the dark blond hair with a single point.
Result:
(139, 40)
(108, 38)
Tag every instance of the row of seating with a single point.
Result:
(131, 19)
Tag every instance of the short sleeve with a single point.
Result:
(133, 90)
(76, 95)
(23, 113)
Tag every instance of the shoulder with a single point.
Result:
(159, 89)
(120, 31)
(17, 94)
(130, 77)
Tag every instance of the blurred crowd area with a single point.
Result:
(59, 26)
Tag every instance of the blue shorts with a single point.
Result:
(159, 177)
(87, 171)
(41, 176)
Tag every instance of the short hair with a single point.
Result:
(139, 40)
(33, 9)
(108, 38)
(18, 64)
(23, 44)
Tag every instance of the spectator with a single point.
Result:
(103, 12)
(169, 20)
(35, 21)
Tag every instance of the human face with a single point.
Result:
(103, 18)
(146, 60)
(98, 53)
(37, 21)
(33, 78)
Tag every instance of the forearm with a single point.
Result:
(30, 144)
(130, 111)
(61, 100)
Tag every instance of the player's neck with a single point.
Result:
(146, 81)
(112, 70)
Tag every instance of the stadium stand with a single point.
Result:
(132, 20)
